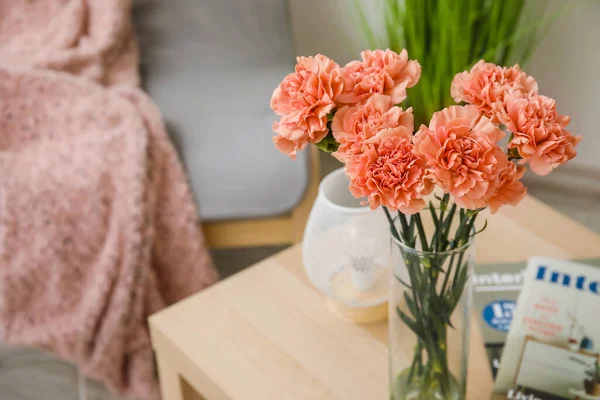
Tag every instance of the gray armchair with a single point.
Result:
(211, 67)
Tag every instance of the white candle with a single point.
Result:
(363, 273)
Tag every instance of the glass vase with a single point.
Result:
(429, 322)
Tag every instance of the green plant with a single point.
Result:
(449, 36)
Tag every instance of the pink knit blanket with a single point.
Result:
(98, 229)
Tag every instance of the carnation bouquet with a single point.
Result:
(431, 182)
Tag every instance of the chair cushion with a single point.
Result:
(211, 67)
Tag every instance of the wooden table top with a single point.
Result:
(266, 333)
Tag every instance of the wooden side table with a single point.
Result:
(582, 395)
(266, 333)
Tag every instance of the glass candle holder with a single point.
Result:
(346, 252)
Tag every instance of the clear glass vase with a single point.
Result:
(429, 322)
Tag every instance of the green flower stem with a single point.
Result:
(429, 305)
(404, 225)
(391, 221)
(421, 231)
(447, 276)
(447, 226)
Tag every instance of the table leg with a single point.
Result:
(189, 393)
(171, 385)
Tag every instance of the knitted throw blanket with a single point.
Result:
(98, 229)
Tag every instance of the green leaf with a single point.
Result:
(411, 232)
(405, 228)
(446, 227)
(485, 224)
(458, 286)
(436, 235)
(411, 305)
(402, 282)
(392, 224)
(513, 154)
(328, 144)
(433, 213)
(411, 323)
(421, 231)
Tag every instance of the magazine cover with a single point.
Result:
(553, 345)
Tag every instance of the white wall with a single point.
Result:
(566, 65)
(330, 27)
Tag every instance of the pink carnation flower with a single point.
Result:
(538, 131)
(382, 72)
(351, 126)
(460, 150)
(487, 83)
(303, 100)
(389, 174)
(507, 187)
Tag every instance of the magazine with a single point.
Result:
(495, 291)
(553, 342)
